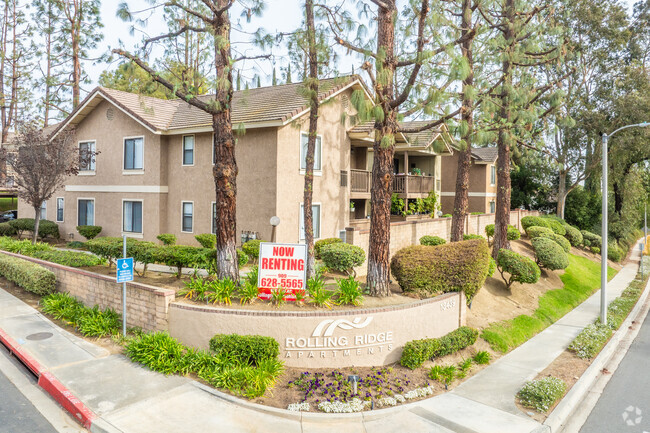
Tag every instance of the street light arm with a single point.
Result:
(640, 125)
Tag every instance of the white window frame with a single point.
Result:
(93, 162)
(133, 234)
(493, 204)
(131, 171)
(94, 208)
(213, 217)
(193, 150)
(43, 209)
(56, 217)
(300, 216)
(317, 171)
(183, 216)
(493, 170)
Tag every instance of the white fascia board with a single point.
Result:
(470, 194)
(208, 128)
(146, 189)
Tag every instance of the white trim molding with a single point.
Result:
(145, 189)
(470, 194)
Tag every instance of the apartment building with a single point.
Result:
(153, 170)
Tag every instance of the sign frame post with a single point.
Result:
(124, 271)
(284, 271)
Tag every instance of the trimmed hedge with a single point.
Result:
(167, 238)
(246, 349)
(521, 269)
(560, 240)
(252, 248)
(207, 240)
(68, 258)
(454, 267)
(537, 231)
(432, 241)
(614, 253)
(573, 235)
(556, 226)
(109, 248)
(417, 351)
(468, 237)
(513, 233)
(7, 230)
(550, 254)
(591, 239)
(342, 257)
(89, 232)
(529, 221)
(323, 242)
(30, 276)
(180, 256)
(46, 228)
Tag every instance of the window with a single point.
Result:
(493, 175)
(188, 150)
(315, 210)
(214, 218)
(132, 216)
(86, 212)
(188, 216)
(133, 153)
(492, 207)
(59, 209)
(44, 210)
(87, 156)
(303, 152)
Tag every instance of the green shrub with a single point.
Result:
(521, 269)
(595, 250)
(573, 235)
(180, 256)
(542, 394)
(30, 276)
(242, 258)
(556, 226)
(591, 239)
(342, 257)
(207, 240)
(529, 221)
(489, 231)
(93, 322)
(68, 258)
(447, 215)
(22, 225)
(76, 245)
(252, 248)
(536, 231)
(417, 351)
(432, 240)
(454, 267)
(167, 238)
(560, 240)
(493, 267)
(614, 253)
(47, 229)
(512, 232)
(24, 247)
(482, 357)
(590, 340)
(142, 252)
(323, 242)
(246, 349)
(159, 352)
(89, 232)
(467, 237)
(109, 248)
(349, 292)
(7, 230)
(61, 306)
(549, 254)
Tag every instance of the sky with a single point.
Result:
(279, 15)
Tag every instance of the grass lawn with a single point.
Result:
(581, 279)
(8, 203)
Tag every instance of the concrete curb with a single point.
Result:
(51, 384)
(558, 419)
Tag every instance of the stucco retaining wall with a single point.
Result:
(362, 337)
(146, 306)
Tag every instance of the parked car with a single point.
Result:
(8, 216)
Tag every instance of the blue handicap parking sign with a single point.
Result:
(125, 270)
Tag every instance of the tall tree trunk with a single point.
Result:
(311, 140)
(461, 200)
(502, 217)
(561, 194)
(378, 278)
(225, 167)
(48, 66)
(3, 63)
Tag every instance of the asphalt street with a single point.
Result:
(625, 403)
(17, 413)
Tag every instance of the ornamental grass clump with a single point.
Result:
(454, 267)
(520, 269)
(349, 292)
(91, 322)
(318, 294)
(542, 394)
(549, 254)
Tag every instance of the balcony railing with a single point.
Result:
(360, 181)
(416, 184)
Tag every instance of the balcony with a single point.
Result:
(360, 183)
(409, 186)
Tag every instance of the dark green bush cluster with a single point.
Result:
(252, 248)
(91, 322)
(167, 238)
(467, 237)
(181, 256)
(432, 240)
(529, 221)
(536, 231)
(76, 245)
(416, 352)
(30, 276)
(590, 239)
(247, 349)
(324, 242)
(556, 226)
(68, 258)
(560, 240)
(512, 233)
(573, 235)
(521, 269)
(550, 254)
(7, 230)
(454, 267)
(162, 353)
(342, 257)
(207, 240)
(614, 253)
(89, 232)
(46, 228)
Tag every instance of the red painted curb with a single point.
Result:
(51, 384)
(66, 399)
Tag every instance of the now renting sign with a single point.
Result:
(282, 267)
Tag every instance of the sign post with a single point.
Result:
(282, 266)
(124, 274)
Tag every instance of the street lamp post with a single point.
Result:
(604, 231)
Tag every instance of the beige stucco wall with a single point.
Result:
(377, 336)
(481, 192)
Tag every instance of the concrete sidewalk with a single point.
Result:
(130, 399)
